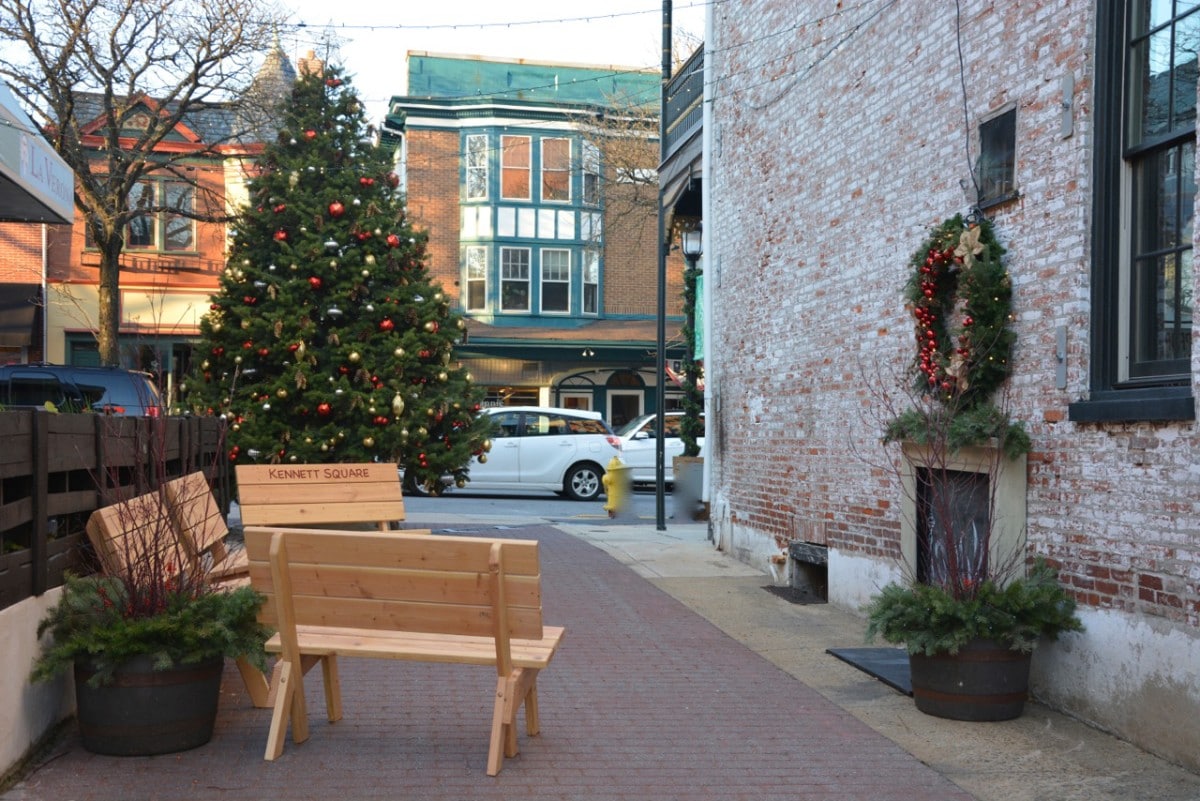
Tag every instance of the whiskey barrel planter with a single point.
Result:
(146, 711)
(984, 681)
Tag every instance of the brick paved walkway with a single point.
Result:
(645, 701)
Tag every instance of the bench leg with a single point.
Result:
(289, 706)
(511, 692)
(257, 686)
(333, 687)
(532, 724)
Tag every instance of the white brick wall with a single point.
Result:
(838, 141)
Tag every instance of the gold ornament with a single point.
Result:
(281, 393)
(354, 357)
(398, 353)
(369, 442)
(482, 458)
(397, 405)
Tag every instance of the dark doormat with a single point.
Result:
(795, 595)
(889, 665)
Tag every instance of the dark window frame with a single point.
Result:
(1114, 398)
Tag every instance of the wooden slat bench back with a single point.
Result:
(314, 495)
(202, 527)
(401, 595)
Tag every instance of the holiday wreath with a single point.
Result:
(961, 298)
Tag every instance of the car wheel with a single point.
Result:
(584, 482)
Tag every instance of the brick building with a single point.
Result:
(539, 226)
(171, 262)
(839, 138)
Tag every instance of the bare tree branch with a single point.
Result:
(108, 81)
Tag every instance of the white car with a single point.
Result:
(533, 447)
(639, 443)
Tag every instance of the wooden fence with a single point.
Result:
(56, 468)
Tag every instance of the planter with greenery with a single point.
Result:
(147, 641)
(971, 608)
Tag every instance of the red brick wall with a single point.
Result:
(836, 148)
(432, 201)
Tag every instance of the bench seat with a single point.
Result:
(421, 646)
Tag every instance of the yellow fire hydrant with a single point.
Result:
(617, 486)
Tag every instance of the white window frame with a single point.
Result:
(559, 275)
(591, 278)
(590, 161)
(476, 167)
(515, 270)
(563, 171)
(511, 144)
(475, 269)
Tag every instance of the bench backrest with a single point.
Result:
(136, 533)
(401, 581)
(198, 520)
(319, 494)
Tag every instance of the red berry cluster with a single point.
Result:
(930, 361)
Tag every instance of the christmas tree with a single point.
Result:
(327, 340)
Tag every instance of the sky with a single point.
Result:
(373, 38)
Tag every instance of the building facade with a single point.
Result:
(171, 259)
(536, 185)
(835, 149)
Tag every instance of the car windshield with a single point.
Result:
(633, 425)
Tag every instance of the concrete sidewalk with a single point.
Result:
(681, 677)
(1042, 756)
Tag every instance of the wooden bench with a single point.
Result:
(202, 529)
(320, 494)
(146, 528)
(407, 596)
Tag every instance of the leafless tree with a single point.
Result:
(73, 62)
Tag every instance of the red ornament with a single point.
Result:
(344, 370)
(337, 209)
(264, 352)
(393, 180)
(324, 409)
(393, 241)
(281, 235)
(294, 347)
(333, 83)
(386, 324)
(310, 134)
(280, 208)
(248, 344)
(363, 236)
(365, 181)
(314, 282)
(249, 300)
(218, 351)
(213, 307)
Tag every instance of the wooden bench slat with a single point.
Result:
(424, 647)
(300, 495)
(391, 584)
(408, 546)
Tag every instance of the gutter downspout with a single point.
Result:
(711, 262)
